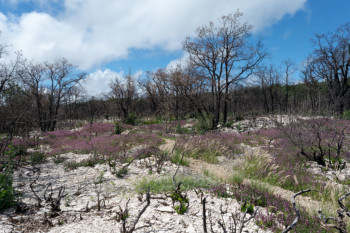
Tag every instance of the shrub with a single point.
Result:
(346, 115)
(122, 172)
(131, 119)
(182, 207)
(152, 121)
(37, 157)
(14, 151)
(71, 165)
(165, 184)
(57, 159)
(247, 207)
(182, 130)
(317, 139)
(90, 162)
(204, 125)
(176, 159)
(117, 128)
(7, 192)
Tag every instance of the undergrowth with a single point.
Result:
(165, 183)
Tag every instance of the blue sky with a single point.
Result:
(106, 38)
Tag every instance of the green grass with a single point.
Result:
(176, 159)
(260, 169)
(90, 162)
(37, 157)
(209, 156)
(165, 184)
(236, 179)
(122, 172)
(7, 192)
(57, 159)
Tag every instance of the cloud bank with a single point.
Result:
(90, 33)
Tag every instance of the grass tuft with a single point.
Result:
(165, 184)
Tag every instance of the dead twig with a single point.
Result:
(290, 227)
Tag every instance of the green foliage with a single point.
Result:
(182, 200)
(90, 162)
(336, 160)
(182, 130)
(152, 121)
(122, 215)
(346, 115)
(117, 128)
(122, 172)
(37, 157)
(236, 179)
(203, 125)
(71, 165)
(14, 151)
(131, 119)
(247, 207)
(12, 155)
(57, 159)
(100, 178)
(67, 201)
(176, 159)
(209, 156)
(7, 192)
(165, 184)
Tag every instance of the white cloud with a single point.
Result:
(182, 62)
(92, 32)
(97, 83)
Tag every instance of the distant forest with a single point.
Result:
(225, 78)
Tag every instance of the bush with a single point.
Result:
(117, 128)
(7, 192)
(57, 159)
(181, 208)
(90, 162)
(182, 130)
(204, 125)
(13, 154)
(346, 115)
(131, 119)
(152, 121)
(165, 184)
(37, 157)
(122, 172)
(176, 159)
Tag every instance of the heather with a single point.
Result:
(211, 145)
(98, 139)
(164, 128)
(277, 211)
(285, 166)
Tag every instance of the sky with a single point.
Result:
(108, 38)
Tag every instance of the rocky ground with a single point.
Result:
(80, 210)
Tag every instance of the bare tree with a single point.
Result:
(13, 107)
(49, 84)
(124, 92)
(289, 69)
(226, 55)
(331, 63)
(270, 82)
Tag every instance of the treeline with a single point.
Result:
(223, 76)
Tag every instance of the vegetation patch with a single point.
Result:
(7, 192)
(90, 162)
(165, 184)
